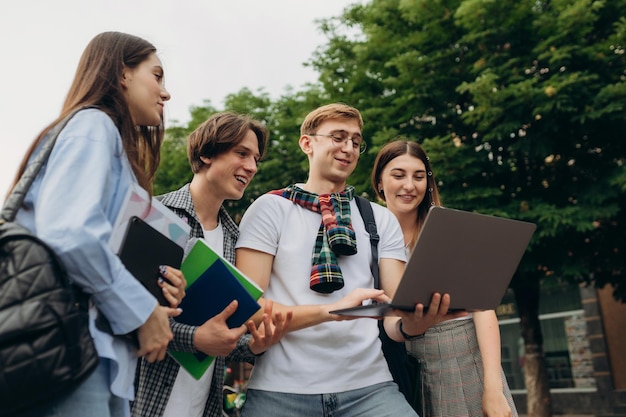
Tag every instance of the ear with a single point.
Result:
(126, 77)
(206, 160)
(305, 144)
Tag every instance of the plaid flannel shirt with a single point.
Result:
(155, 380)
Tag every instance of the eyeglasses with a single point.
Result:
(340, 137)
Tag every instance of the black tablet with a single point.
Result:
(143, 250)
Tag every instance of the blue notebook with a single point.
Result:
(215, 289)
(212, 284)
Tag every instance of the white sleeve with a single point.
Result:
(260, 226)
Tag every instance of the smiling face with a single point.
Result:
(228, 174)
(330, 163)
(144, 91)
(404, 183)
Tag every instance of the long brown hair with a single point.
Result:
(97, 83)
(398, 148)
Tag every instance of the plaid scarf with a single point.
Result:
(334, 237)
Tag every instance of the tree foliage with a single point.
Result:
(520, 103)
(521, 107)
(283, 162)
(174, 169)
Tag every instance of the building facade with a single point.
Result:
(584, 345)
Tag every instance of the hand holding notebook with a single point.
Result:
(212, 284)
(143, 250)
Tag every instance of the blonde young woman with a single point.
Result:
(460, 357)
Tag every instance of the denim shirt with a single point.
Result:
(72, 206)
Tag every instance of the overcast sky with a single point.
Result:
(209, 49)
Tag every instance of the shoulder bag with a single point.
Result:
(45, 345)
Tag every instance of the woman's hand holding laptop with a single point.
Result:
(418, 321)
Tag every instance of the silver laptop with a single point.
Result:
(468, 255)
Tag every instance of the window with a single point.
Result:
(567, 353)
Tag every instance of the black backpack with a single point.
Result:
(45, 345)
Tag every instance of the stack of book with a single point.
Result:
(212, 284)
(147, 234)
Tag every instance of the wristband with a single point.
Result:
(407, 336)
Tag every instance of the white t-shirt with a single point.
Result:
(329, 357)
(189, 395)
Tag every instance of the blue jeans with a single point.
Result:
(380, 400)
(92, 398)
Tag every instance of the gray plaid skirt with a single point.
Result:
(452, 370)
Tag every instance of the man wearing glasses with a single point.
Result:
(307, 247)
(341, 137)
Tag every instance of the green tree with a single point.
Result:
(174, 169)
(536, 102)
(521, 107)
(283, 164)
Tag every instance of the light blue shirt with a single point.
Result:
(72, 206)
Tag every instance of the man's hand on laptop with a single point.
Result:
(356, 298)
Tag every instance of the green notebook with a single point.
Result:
(212, 284)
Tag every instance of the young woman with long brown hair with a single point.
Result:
(105, 148)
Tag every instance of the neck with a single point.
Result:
(324, 186)
(205, 203)
(409, 226)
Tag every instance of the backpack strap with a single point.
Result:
(16, 198)
(395, 352)
(365, 208)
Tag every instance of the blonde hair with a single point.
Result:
(329, 112)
